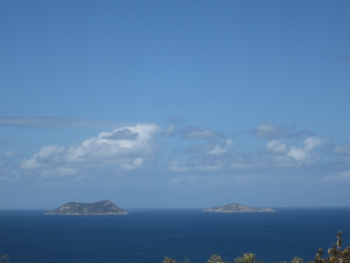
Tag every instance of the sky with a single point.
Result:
(174, 104)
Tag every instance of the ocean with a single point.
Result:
(148, 235)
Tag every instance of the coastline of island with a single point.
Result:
(237, 208)
(104, 207)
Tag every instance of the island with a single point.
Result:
(237, 208)
(104, 207)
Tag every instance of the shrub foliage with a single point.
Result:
(336, 255)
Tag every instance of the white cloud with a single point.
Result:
(343, 149)
(224, 158)
(304, 154)
(269, 130)
(44, 153)
(312, 142)
(134, 164)
(218, 149)
(298, 154)
(31, 163)
(276, 147)
(125, 148)
(171, 130)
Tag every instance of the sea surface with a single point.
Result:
(148, 235)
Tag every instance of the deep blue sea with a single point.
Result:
(148, 235)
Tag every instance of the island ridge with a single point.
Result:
(99, 208)
(236, 208)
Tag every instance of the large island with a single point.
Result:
(237, 208)
(99, 208)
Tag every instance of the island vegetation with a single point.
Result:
(104, 207)
(237, 208)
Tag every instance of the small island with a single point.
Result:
(99, 208)
(237, 208)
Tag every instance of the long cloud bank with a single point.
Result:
(136, 147)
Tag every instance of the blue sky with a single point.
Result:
(154, 104)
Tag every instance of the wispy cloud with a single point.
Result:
(343, 149)
(8, 166)
(223, 158)
(171, 130)
(196, 133)
(298, 134)
(270, 130)
(211, 148)
(176, 119)
(51, 122)
(201, 148)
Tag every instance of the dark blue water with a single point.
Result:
(150, 235)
